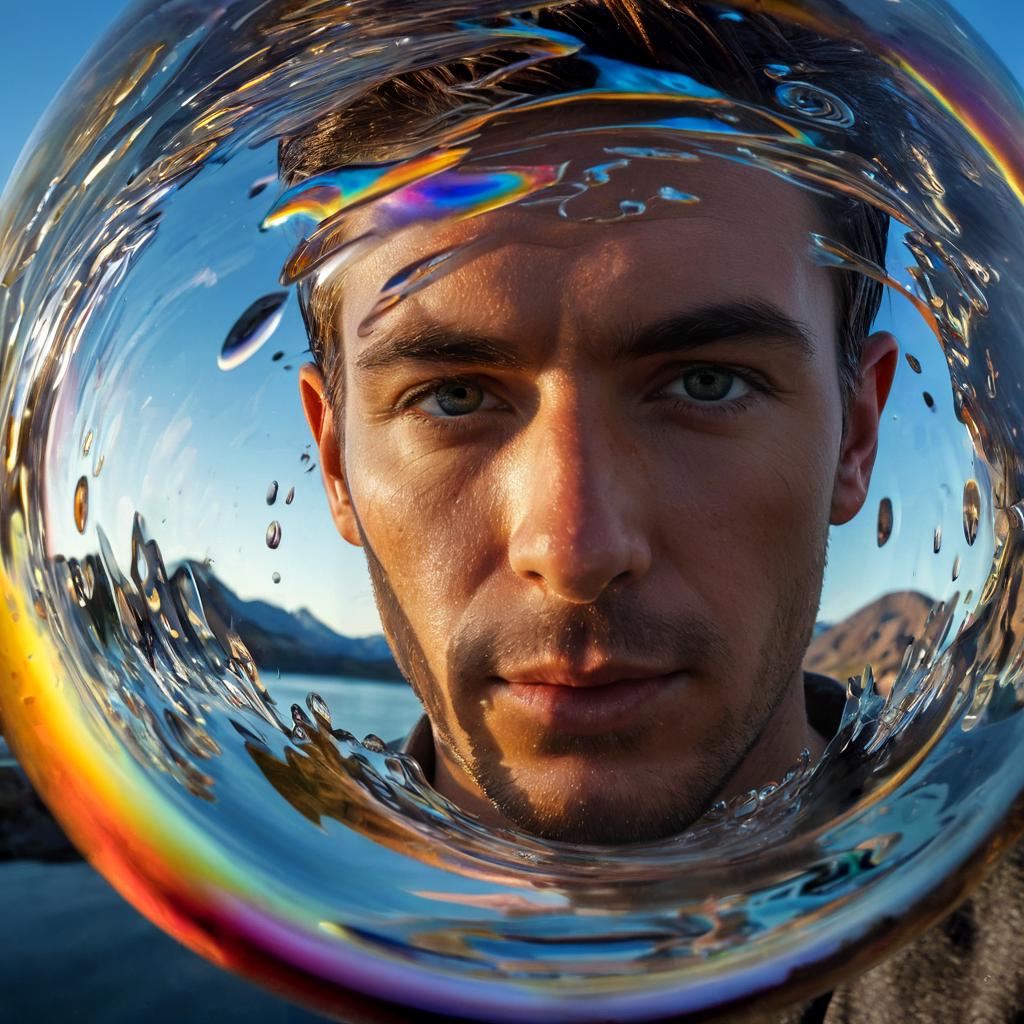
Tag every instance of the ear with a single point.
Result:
(878, 361)
(320, 417)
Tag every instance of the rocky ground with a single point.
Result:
(27, 829)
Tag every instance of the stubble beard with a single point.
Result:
(654, 805)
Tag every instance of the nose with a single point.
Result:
(577, 504)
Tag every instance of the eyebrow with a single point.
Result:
(754, 320)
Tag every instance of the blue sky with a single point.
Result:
(41, 46)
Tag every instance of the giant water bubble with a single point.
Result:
(158, 635)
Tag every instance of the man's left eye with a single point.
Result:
(711, 384)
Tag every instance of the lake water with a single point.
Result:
(63, 921)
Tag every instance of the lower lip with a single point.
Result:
(591, 710)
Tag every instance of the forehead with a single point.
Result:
(532, 271)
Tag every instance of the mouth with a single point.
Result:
(588, 709)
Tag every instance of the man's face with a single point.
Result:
(594, 452)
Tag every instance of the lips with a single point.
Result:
(594, 703)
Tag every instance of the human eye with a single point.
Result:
(718, 389)
(445, 402)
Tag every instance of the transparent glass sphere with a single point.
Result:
(208, 644)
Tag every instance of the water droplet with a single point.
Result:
(777, 71)
(884, 521)
(318, 706)
(673, 195)
(601, 174)
(272, 492)
(276, 577)
(290, 496)
(299, 717)
(913, 363)
(81, 503)
(929, 401)
(277, 357)
(937, 540)
(273, 534)
(87, 443)
(1015, 516)
(416, 276)
(260, 184)
(991, 375)
(956, 568)
(972, 510)
(374, 744)
(252, 330)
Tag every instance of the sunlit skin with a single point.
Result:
(570, 508)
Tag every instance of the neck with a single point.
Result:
(787, 733)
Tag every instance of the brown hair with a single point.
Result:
(395, 117)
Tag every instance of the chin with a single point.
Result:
(591, 805)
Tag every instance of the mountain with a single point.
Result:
(290, 641)
(876, 635)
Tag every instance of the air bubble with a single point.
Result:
(290, 496)
(929, 400)
(276, 577)
(87, 443)
(818, 104)
(937, 540)
(913, 363)
(956, 568)
(272, 492)
(273, 534)
(885, 519)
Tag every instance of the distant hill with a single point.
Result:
(876, 635)
(291, 641)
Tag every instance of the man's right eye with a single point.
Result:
(448, 399)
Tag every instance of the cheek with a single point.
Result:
(430, 527)
(748, 519)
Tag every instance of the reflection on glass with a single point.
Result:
(618, 551)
